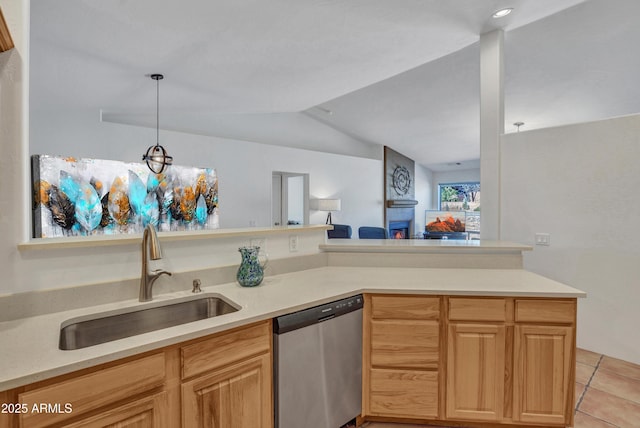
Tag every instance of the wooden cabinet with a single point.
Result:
(237, 396)
(472, 361)
(149, 412)
(475, 358)
(76, 396)
(514, 364)
(221, 380)
(544, 362)
(233, 382)
(401, 356)
(475, 371)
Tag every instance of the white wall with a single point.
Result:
(580, 183)
(244, 169)
(424, 196)
(13, 168)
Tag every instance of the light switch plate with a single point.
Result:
(293, 243)
(543, 239)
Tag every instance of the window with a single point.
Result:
(462, 197)
(459, 196)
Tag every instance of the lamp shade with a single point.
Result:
(325, 204)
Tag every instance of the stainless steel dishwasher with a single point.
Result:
(318, 365)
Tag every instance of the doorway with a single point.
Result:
(289, 198)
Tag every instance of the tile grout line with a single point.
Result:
(589, 382)
(585, 392)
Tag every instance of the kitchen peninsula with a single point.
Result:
(437, 316)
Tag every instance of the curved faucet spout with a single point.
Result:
(150, 251)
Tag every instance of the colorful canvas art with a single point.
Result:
(75, 197)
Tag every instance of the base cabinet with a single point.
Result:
(222, 380)
(233, 397)
(126, 394)
(542, 376)
(403, 393)
(401, 356)
(469, 361)
(150, 412)
(475, 372)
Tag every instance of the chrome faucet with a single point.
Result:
(151, 243)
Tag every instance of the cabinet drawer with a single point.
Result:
(474, 309)
(558, 311)
(406, 344)
(404, 393)
(225, 348)
(94, 390)
(147, 412)
(405, 307)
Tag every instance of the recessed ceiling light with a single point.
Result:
(502, 12)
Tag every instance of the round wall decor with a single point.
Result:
(401, 180)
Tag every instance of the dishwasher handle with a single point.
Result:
(317, 314)
(326, 318)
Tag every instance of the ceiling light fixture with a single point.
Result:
(502, 12)
(518, 125)
(156, 156)
(325, 110)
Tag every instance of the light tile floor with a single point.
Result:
(607, 394)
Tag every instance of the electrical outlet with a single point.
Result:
(259, 242)
(293, 243)
(543, 239)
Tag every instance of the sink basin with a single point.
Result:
(82, 332)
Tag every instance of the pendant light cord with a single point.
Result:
(156, 156)
(157, 112)
(157, 77)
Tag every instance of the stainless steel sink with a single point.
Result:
(82, 332)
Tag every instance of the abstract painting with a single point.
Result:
(79, 197)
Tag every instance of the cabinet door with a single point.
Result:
(543, 375)
(239, 397)
(93, 391)
(149, 412)
(475, 372)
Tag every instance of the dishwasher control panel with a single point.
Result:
(351, 302)
(317, 314)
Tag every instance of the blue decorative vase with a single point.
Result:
(251, 271)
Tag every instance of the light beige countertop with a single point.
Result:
(425, 246)
(29, 350)
(135, 238)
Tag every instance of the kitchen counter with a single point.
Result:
(424, 246)
(30, 353)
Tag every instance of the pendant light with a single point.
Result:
(156, 156)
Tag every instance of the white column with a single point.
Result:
(491, 127)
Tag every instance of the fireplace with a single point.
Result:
(399, 229)
(399, 192)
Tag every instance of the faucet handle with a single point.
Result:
(196, 286)
(159, 272)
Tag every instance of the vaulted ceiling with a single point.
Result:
(402, 73)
